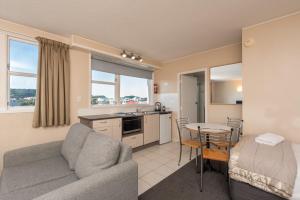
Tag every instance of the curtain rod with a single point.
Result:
(29, 37)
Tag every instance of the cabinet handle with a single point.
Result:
(133, 138)
(103, 129)
(103, 122)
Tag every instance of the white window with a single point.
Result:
(22, 71)
(115, 84)
(103, 88)
(134, 90)
(18, 67)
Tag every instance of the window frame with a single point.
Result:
(6, 73)
(117, 92)
(115, 84)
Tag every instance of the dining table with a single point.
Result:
(208, 127)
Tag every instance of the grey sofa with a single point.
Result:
(71, 169)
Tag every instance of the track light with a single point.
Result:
(127, 54)
(123, 54)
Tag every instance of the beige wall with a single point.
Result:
(167, 78)
(271, 78)
(225, 92)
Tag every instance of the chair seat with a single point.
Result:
(192, 143)
(215, 154)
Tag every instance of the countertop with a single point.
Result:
(121, 115)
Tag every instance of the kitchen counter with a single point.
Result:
(135, 129)
(121, 115)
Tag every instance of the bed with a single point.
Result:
(243, 187)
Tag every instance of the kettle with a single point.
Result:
(157, 106)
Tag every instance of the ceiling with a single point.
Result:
(158, 29)
(226, 72)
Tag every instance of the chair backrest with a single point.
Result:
(211, 139)
(181, 124)
(237, 125)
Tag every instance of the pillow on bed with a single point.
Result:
(269, 139)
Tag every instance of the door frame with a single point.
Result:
(205, 70)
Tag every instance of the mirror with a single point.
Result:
(226, 84)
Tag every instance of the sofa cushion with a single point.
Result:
(74, 142)
(28, 193)
(99, 152)
(22, 176)
(125, 153)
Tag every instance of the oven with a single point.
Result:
(131, 125)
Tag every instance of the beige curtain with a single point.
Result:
(52, 106)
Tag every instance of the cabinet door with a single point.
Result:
(147, 129)
(117, 129)
(151, 128)
(156, 127)
(134, 140)
(107, 130)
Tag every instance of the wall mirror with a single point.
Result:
(226, 84)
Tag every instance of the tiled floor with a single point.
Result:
(158, 162)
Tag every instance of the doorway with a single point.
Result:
(192, 90)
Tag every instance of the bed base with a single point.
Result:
(244, 191)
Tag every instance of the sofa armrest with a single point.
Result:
(119, 182)
(31, 153)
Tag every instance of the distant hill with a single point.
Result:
(22, 93)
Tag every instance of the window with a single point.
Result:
(103, 88)
(110, 89)
(22, 71)
(116, 83)
(134, 90)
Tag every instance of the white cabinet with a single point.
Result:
(133, 140)
(110, 127)
(151, 128)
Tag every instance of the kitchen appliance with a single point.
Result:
(165, 121)
(163, 108)
(131, 125)
(157, 106)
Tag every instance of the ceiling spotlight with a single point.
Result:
(132, 57)
(123, 54)
(141, 60)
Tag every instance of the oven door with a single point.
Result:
(132, 125)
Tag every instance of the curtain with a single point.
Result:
(52, 106)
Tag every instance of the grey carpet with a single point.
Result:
(184, 185)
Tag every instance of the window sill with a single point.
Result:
(17, 110)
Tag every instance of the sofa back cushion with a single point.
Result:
(125, 153)
(99, 152)
(73, 143)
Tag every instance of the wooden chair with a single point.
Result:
(237, 125)
(192, 143)
(213, 152)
